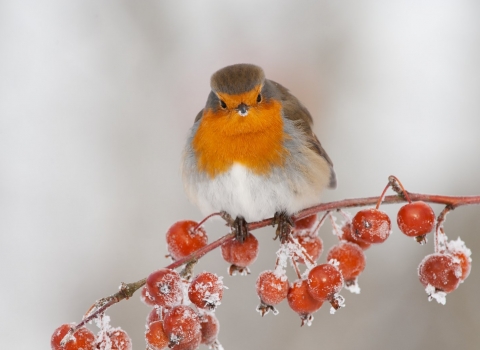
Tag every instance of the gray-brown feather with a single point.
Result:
(295, 111)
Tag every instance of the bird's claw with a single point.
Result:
(240, 229)
(284, 224)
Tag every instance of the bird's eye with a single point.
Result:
(223, 104)
(259, 98)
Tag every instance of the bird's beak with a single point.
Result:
(242, 109)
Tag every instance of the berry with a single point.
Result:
(460, 251)
(182, 325)
(440, 271)
(301, 301)
(351, 259)
(416, 219)
(82, 338)
(465, 264)
(182, 240)
(191, 345)
(210, 328)
(206, 291)
(145, 297)
(119, 340)
(313, 246)
(156, 337)
(271, 287)
(371, 226)
(349, 237)
(157, 314)
(306, 223)
(324, 281)
(240, 254)
(165, 287)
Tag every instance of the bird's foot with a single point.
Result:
(284, 224)
(240, 229)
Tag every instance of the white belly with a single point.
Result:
(240, 192)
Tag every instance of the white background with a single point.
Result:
(96, 99)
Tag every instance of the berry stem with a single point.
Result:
(205, 219)
(395, 182)
(381, 198)
(320, 223)
(295, 266)
(440, 243)
(304, 253)
(335, 226)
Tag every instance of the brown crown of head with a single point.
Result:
(237, 79)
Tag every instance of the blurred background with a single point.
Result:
(96, 101)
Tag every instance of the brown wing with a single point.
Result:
(294, 110)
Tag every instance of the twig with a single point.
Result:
(127, 290)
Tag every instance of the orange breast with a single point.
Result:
(255, 141)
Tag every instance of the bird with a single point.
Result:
(251, 152)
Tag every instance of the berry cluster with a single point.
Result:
(173, 322)
(182, 315)
(108, 338)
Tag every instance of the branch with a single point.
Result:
(127, 290)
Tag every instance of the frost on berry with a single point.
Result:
(351, 260)
(209, 328)
(371, 226)
(416, 219)
(183, 239)
(182, 326)
(165, 286)
(146, 298)
(206, 291)
(433, 293)
(110, 338)
(272, 288)
(311, 245)
(155, 336)
(302, 302)
(460, 251)
(440, 271)
(324, 281)
(81, 339)
(240, 255)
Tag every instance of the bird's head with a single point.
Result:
(236, 89)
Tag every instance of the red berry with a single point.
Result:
(313, 246)
(210, 328)
(459, 250)
(371, 226)
(272, 288)
(240, 254)
(206, 291)
(300, 300)
(416, 219)
(82, 339)
(351, 259)
(145, 297)
(306, 223)
(191, 345)
(119, 340)
(165, 287)
(157, 314)
(182, 240)
(156, 337)
(349, 237)
(465, 264)
(324, 281)
(440, 271)
(182, 325)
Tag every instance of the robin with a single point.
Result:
(252, 153)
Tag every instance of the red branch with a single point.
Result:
(127, 290)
